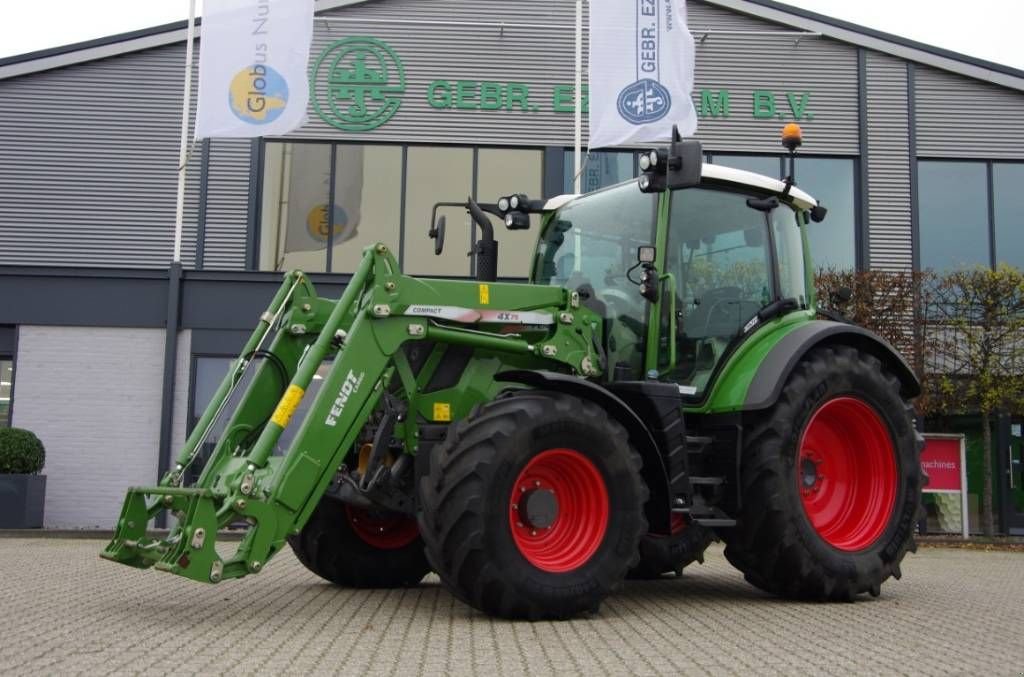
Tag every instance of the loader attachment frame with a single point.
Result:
(363, 333)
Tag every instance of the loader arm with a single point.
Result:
(362, 334)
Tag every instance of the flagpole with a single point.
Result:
(186, 107)
(578, 89)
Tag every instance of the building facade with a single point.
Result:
(110, 355)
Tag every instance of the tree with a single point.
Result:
(974, 324)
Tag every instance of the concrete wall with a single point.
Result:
(93, 397)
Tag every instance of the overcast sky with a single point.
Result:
(989, 29)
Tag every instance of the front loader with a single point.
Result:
(661, 382)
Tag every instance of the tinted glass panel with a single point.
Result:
(718, 251)
(600, 170)
(833, 241)
(367, 202)
(790, 253)
(953, 208)
(592, 242)
(504, 172)
(296, 189)
(6, 379)
(1008, 190)
(435, 174)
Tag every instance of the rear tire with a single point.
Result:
(831, 482)
(359, 548)
(532, 507)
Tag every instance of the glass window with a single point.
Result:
(718, 252)
(953, 211)
(790, 254)
(759, 164)
(296, 188)
(830, 180)
(1008, 191)
(296, 191)
(6, 382)
(504, 172)
(367, 202)
(592, 242)
(436, 174)
(600, 170)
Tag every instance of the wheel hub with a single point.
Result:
(810, 475)
(538, 508)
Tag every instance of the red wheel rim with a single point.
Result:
(568, 526)
(846, 473)
(384, 530)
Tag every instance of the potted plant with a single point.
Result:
(22, 488)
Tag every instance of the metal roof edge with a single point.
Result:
(862, 36)
(122, 43)
(770, 10)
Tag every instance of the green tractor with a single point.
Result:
(662, 381)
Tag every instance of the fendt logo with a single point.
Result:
(349, 388)
(357, 84)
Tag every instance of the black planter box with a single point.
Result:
(21, 501)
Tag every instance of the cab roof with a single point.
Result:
(723, 174)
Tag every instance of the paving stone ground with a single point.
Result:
(66, 611)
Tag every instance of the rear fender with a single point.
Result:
(771, 375)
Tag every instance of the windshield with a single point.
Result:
(588, 246)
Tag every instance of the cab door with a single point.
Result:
(723, 253)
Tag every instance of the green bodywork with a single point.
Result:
(357, 344)
(362, 333)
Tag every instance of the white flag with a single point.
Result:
(641, 71)
(253, 61)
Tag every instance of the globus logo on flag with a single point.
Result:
(641, 71)
(253, 59)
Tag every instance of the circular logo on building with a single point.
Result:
(644, 101)
(258, 94)
(357, 84)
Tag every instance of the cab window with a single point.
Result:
(589, 245)
(719, 251)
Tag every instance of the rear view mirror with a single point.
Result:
(437, 234)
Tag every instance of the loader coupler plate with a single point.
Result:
(188, 550)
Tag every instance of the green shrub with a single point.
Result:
(21, 452)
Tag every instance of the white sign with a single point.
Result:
(641, 72)
(253, 67)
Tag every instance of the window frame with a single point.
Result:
(733, 345)
(990, 208)
(259, 168)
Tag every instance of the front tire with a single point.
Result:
(532, 507)
(831, 482)
(358, 548)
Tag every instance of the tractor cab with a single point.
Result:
(682, 270)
